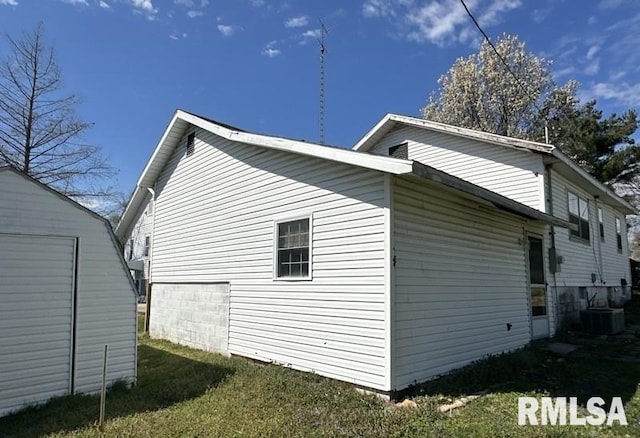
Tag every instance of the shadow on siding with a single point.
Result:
(164, 379)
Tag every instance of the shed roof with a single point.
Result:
(181, 120)
(72, 203)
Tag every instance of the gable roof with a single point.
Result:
(71, 202)
(55, 192)
(182, 120)
(551, 153)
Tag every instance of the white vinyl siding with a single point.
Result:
(136, 247)
(230, 195)
(36, 293)
(106, 309)
(460, 278)
(512, 173)
(581, 258)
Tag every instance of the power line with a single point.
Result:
(520, 84)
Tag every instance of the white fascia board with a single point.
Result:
(374, 134)
(499, 201)
(157, 162)
(390, 119)
(374, 162)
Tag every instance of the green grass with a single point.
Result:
(185, 392)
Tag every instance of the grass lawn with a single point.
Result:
(185, 392)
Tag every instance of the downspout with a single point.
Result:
(147, 312)
(552, 235)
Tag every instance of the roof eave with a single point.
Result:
(499, 201)
(603, 190)
(390, 120)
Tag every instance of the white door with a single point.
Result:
(537, 289)
(36, 317)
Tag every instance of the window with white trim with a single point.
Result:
(619, 234)
(601, 223)
(579, 215)
(147, 245)
(293, 249)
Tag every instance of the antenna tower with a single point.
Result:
(323, 51)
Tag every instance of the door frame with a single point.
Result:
(532, 318)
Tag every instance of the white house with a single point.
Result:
(370, 269)
(591, 263)
(65, 293)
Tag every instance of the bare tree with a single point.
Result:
(40, 132)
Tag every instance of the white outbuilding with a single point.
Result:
(65, 293)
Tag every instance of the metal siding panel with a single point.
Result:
(106, 301)
(30, 371)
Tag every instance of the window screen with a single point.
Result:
(579, 215)
(293, 248)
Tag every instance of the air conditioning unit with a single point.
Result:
(603, 321)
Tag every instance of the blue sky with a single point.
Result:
(254, 63)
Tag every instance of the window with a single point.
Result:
(147, 244)
(579, 215)
(191, 143)
(130, 250)
(601, 223)
(619, 234)
(293, 249)
(399, 151)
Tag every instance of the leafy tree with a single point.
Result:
(602, 147)
(40, 132)
(479, 92)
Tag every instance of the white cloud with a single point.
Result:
(592, 20)
(379, 8)
(311, 34)
(9, 2)
(539, 15)
(76, 2)
(185, 3)
(592, 68)
(623, 93)
(104, 5)
(144, 5)
(610, 4)
(257, 3)
(177, 35)
(204, 3)
(227, 30)
(300, 21)
(270, 50)
(490, 16)
(592, 51)
(194, 14)
(618, 75)
(438, 21)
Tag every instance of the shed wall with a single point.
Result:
(106, 304)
